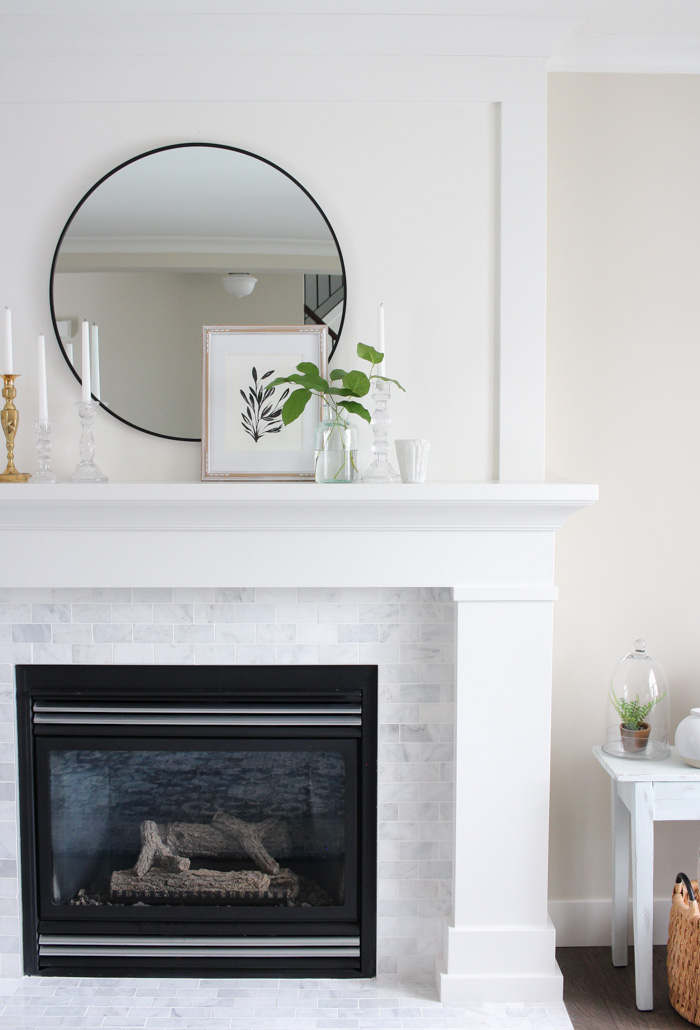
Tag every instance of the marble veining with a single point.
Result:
(62, 1003)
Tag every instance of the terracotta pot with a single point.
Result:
(635, 740)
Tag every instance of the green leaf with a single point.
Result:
(369, 353)
(315, 383)
(295, 405)
(308, 368)
(385, 380)
(357, 382)
(356, 409)
(338, 392)
(279, 381)
(309, 382)
(337, 373)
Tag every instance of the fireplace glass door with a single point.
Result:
(241, 823)
(198, 821)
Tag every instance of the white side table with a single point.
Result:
(643, 791)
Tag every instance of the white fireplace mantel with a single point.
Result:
(283, 534)
(493, 543)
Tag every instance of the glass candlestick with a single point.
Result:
(86, 471)
(380, 471)
(42, 432)
(10, 420)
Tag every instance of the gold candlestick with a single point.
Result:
(10, 420)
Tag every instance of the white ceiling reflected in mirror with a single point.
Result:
(175, 239)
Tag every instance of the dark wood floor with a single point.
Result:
(599, 996)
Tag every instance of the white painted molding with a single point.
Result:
(261, 507)
(588, 923)
(659, 55)
(641, 37)
(112, 33)
(505, 593)
(284, 534)
(523, 956)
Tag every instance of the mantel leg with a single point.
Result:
(499, 943)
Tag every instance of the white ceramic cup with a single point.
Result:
(413, 459)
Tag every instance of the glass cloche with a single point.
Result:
(638, 708)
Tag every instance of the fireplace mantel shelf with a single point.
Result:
(283, 534)
(290, 506)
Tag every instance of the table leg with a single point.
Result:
(620, 876)
(643, 892)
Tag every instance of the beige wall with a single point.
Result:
(151, 332)
(623, 411)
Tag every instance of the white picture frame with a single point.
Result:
(243, 436)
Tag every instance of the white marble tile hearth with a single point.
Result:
(54, 1003)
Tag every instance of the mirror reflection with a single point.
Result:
(180, 238)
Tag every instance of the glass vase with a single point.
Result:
(335, 451)
(638, 708)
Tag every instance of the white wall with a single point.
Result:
(623, 373)
(408, 188)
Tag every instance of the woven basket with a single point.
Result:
(684, 950)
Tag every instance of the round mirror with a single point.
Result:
(175, 239)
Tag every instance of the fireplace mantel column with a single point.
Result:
(499, 942)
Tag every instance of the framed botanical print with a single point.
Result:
(243, 435)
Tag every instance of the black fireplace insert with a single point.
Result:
(198, 820)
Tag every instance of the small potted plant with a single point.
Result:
(634, 731)
(336, 438)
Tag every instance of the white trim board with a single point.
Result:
(587, 923)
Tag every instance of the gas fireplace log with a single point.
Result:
(198, 840)
(155, 852)
(166, 846)
(248, 837)
(202, 840)
(285, 839)
(201, 886)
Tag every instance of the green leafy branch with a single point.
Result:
(351, 385)
(633, 713)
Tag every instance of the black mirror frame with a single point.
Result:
(139, 157)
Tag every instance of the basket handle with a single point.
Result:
(682, 878)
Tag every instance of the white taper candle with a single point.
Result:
(381, 346)
(7, 367)
(95, 361)
(85, 367)
(43, 394)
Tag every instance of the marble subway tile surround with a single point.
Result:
(407, 633)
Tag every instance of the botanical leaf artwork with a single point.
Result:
(263, 412)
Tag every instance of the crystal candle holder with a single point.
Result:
(42, 432)
(87, 471)
(380, 471)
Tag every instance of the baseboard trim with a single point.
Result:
(587, 924)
